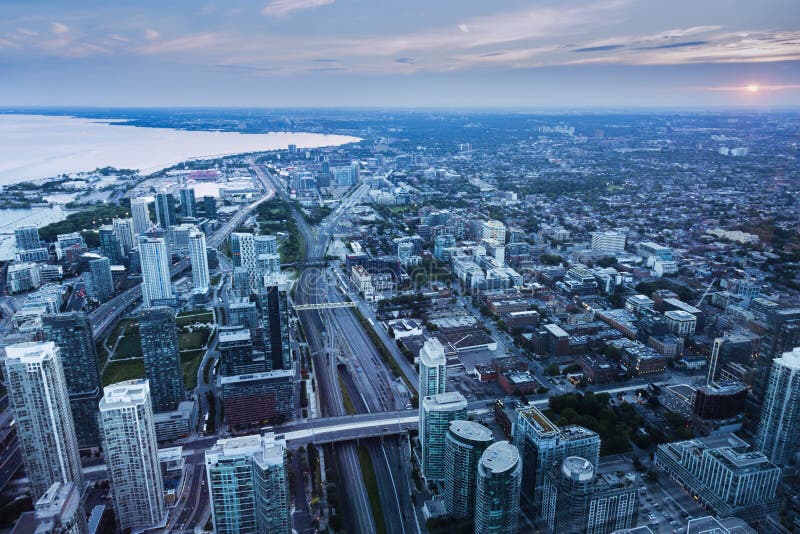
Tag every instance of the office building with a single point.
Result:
(681, 323)
(723, 475)
(102, 279)
(542, 443)
(274, 313)
(577, 499)
(72, 334)
(609, 242)
(123, 229)
(782, 335)
(37, 391)
(165, 210)
(199, 260)
(498, 490)
(188, 204)
(265, 244)
(243, 253)
(58, 511)
(248, 485)
(243, 313)
(131, 454)
(492, 229)
(110, 245)
(465, 442)
(258, 398)
(156, 276)
(236, 352)
(778, 435)
(432, 368)
(438, 411)
(162, 361)
(210, 207)
(140, 214)
(27, 238)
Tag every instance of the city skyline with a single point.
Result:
(328, 53)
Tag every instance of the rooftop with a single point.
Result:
(500, 457)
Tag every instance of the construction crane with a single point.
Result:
(705, 293)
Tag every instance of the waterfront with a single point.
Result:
(12, 218)
(38, 146)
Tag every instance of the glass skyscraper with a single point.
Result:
(165, 210)
(162, 361)
(437, 413)
(778, 435)
(248, 485)
(188, 204)
(72, 333)
(497, 491)
(156, 277)
(464, 444)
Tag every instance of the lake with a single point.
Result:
(39, 146)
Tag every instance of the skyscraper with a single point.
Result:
(58, 511)
(131, 453)
(188, 204)
(162, 361)
(210, 207)
(497, 490)
(464, 444)
(542, 443)
(577, 499)
(140, 213)
(110, 244)
(123, 229)
(437, 413)
(236, 352)
(37, 390)
(432, 368)
(778, 435)
(243, 252)
(165, 210)
(27, 237)
(199, 259)
(782, 335)
(248, 486)
(102, 279)
(72, 334)
(274, 309)
(156, 278)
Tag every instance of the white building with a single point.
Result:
(123, 230)
(38, 395)
(610, 241)
(680, 322)
(778, 432)
(156, 277)
(131, 451)
(140, 215)
(492, 229)
(432, 368)
(23, 277)
(362, 279)
(199, 260)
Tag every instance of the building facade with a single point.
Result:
(37, 391)
(437, 413)
(162, 361)
(497, 491)
(778, 435)
(72, 334)
(131, 453)
(465, 443)
(156, 276)
(199, 260)
(140, 213)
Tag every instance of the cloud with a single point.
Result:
(279, 8)
(406, 60)
(183, 44)
(29, 33)
(58, 28)
(602, 48)
(151, 35)
(464, 28)
(673, 45)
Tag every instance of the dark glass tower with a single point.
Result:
(162, 361)
(72, 333)
(165, 210)
(274, 312)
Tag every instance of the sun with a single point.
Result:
(752, 88)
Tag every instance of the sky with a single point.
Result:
(410, 53)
